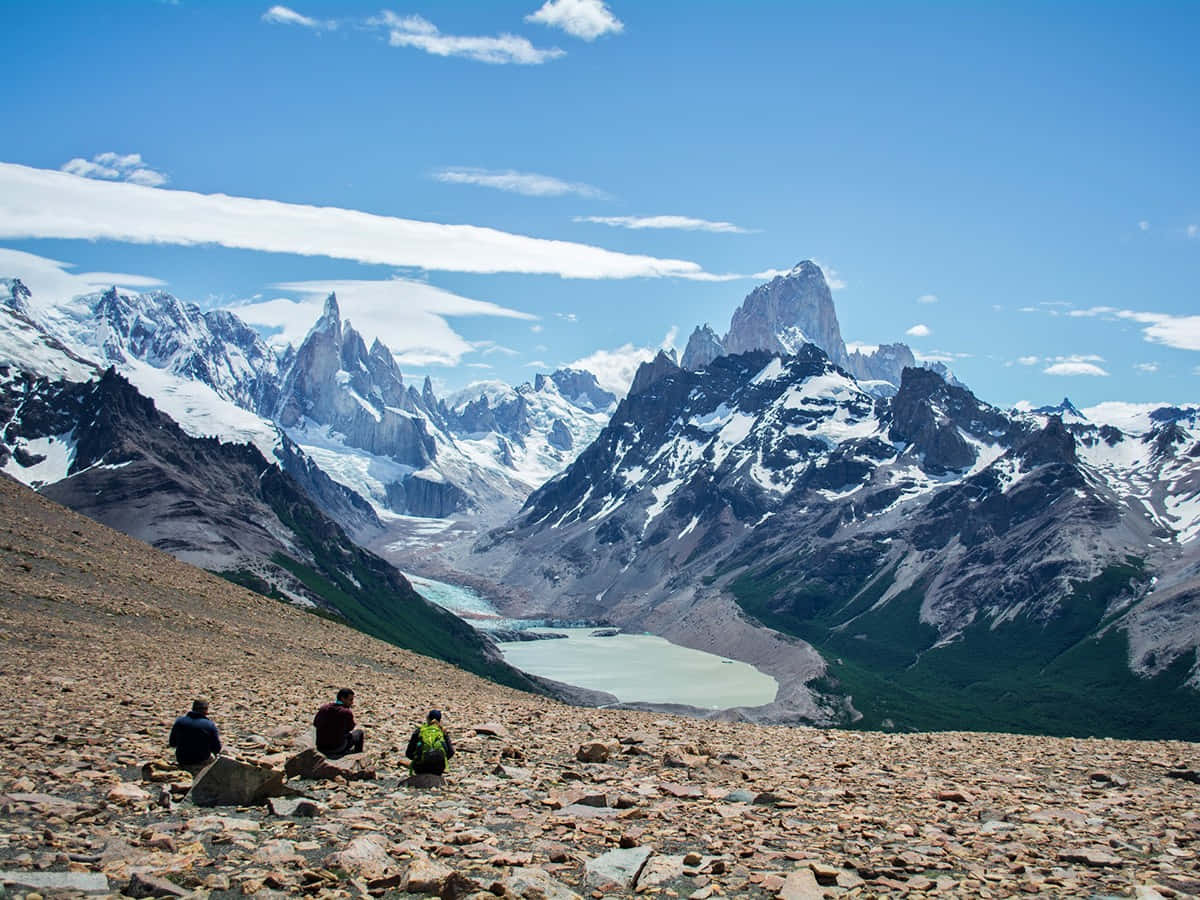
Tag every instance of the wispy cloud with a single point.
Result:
(1143, 225)
(409, 316)
(1182, 332)
(41, 203)
(530, 184)
(1075, 365)
(680, 223)
(586, 19)
(614, 369)
(927, 298)
(1148, 367)
(919, 331)
(421, 34)
(1028, 360)
(942, 356)
(115, 167)
(51, 283)
(566, 317)
(281, 15)
(1193, 231)
(832, 277)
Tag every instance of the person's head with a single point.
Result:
(346, 696)
(200, 706)
(435, 715)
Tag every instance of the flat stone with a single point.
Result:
(424, 782)
(127, 793)
(661, 870)
(146, 885)
(594, 752)
(801, 885)
(617, 867)
(491, 729)
(536, 884)
(1091, 856)
(426, 876)
(293, 806)
(366, 856)
(87, 882)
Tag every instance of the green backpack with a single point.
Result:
(431, 744)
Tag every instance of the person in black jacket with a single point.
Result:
(195, 737)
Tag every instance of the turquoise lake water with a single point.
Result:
(634, 668)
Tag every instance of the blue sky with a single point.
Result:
(1012, 190)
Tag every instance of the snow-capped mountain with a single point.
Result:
(345, 405)
(793, 309)
(910, 540)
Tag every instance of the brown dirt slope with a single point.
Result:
(103, 641)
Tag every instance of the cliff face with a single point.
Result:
(784, 313)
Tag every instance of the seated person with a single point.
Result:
(429, 748)
(336, 734)
(195, 737)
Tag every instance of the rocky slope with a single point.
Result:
(942, 562)
(107, 641)
(105, 450)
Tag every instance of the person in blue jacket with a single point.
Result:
(195, 737)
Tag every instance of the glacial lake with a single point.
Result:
(635, 668)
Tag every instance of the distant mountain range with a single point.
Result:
(954, 565)
(343, 405)
(895, 551)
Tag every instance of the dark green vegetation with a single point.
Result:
(1065, 675)
(371, 595)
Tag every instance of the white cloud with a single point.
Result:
(566, 317)
(281, 15)
(51, 284)
(1148, 367)
(614, 369)
(1181, 332)
(1144, 225)
(680, 223)
(1074, 365)
(40, 203)
(587, 19)
(942, 356)
(528, 183)
(1193, 231)
(919, 331)
(927, 298)
(832, 277)
(1132, 418)
(408, 316)
(1028, 360)
(115, 167)
(420, 33)
(536, 329)
(536, 364)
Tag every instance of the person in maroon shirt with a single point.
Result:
(336, 734)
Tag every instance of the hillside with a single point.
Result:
(104, 640)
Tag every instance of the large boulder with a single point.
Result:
(230, 782)
(312, 764)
